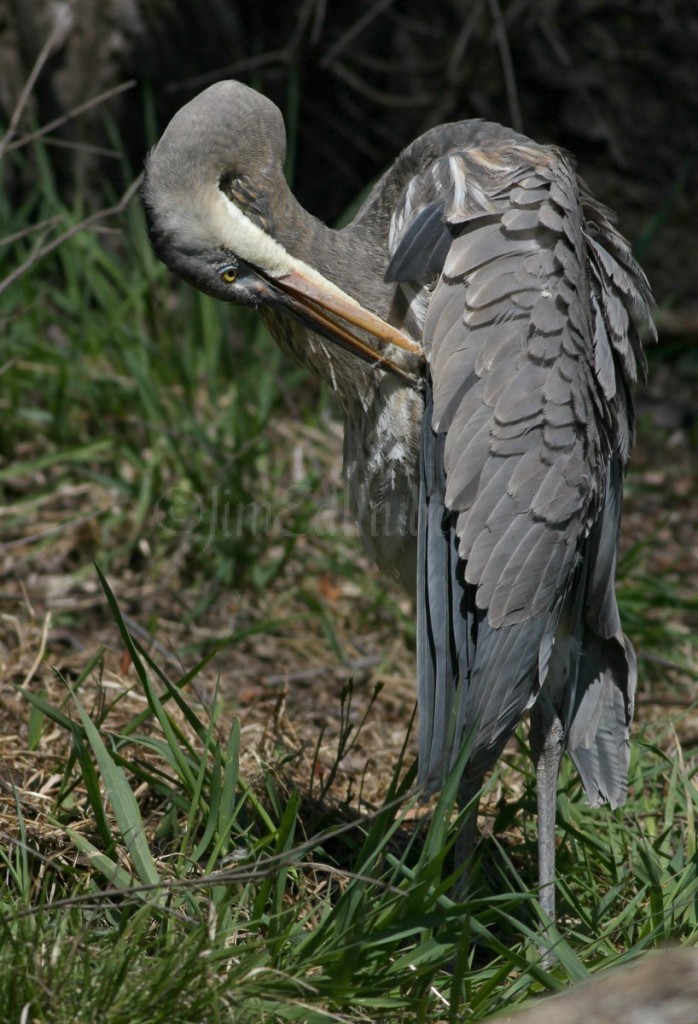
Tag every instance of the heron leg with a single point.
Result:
(546, 747)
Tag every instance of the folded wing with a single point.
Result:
(531, 326)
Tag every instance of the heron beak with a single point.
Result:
(335, 315)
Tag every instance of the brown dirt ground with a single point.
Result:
(286, 686)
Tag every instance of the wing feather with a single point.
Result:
(533, 335)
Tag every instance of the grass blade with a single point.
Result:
(123, 802)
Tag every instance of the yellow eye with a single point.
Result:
(229, 275)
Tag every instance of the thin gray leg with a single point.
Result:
(546, 747)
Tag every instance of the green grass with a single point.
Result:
(228, 911)
(175, 884)
(137, 387)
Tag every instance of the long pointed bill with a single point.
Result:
(333, 314)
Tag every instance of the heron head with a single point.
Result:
(221, 216)
(209, 190)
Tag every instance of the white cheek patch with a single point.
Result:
(248, 241)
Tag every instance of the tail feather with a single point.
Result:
(598, 739)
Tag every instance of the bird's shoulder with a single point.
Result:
(466, 168)
(532, 306)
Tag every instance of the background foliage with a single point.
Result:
(206, 808)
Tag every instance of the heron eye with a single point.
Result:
(229, 275)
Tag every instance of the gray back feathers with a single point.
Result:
(532, 335)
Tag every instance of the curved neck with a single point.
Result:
(354, 257)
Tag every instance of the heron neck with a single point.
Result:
(354, 257)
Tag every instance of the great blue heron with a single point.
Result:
(479, 322)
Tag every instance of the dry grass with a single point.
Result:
(298, 677)
(135, 422)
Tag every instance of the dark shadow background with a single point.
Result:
(614, 82)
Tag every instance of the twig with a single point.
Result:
(285, 56)
(58, 29)
(38, 244)
(84, 147)
(677, 322)
(457, 56)
(507, 66)
(302, 675)
(373, 12)
(386, 99)
(53, 530)
(666, 702)
(247, 872)
(43, 225)
(71, 114)
(657, 659)
(238, 67)
(76, 229)
(42, 650)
